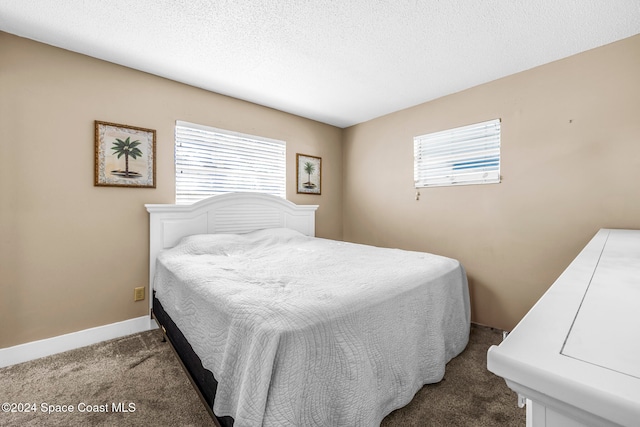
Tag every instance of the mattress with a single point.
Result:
(306, 331)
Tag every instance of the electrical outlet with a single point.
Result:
(138, 294)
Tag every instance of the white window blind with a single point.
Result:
(460, 156)
(212, 161)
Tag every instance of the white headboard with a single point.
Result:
(226, 213)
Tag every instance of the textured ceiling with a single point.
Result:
(336, 61)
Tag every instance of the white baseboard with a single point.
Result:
(37, 349)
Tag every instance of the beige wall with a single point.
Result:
(570, 166)
(71, 253)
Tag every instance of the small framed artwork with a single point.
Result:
(308, 174)
(125, 156)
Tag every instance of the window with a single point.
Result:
(212, 161)
(460, 156)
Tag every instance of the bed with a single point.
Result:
(277, 327)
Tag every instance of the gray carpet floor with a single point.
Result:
(138, 381)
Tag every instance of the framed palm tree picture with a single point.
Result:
(308, 174)
(125, 155)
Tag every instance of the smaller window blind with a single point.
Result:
(460, 156)
(212, 161)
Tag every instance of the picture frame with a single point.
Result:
(308, 174)
(124, 156)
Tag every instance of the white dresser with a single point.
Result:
(575, 357)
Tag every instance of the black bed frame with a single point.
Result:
(202, 379)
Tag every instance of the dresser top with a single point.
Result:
(606, 329)
(580, 343)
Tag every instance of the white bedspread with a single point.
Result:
(303, 331)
